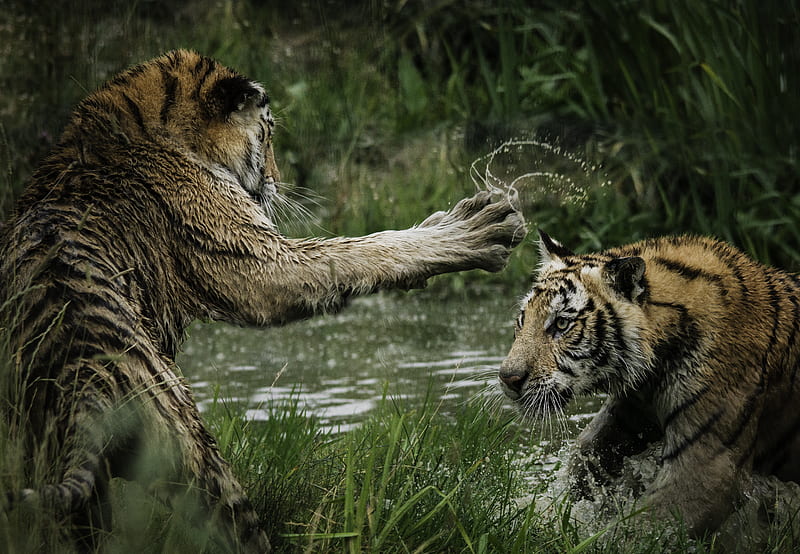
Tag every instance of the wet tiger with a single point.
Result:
(152, 212)
(695, 344)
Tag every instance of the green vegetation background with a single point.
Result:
(686, 110)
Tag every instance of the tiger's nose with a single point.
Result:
(513, 376)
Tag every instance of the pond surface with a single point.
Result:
(408, 346)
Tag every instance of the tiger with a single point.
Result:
(153, 211)
(697, 348)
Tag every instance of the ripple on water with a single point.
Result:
(339, 365)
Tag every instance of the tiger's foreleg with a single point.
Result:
(707, 458)
(288, 279)
(621, 428)
(225, 497)
(224, 509)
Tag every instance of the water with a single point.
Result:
(534, 170)
(408, 345)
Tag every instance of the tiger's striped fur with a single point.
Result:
(695, 344)
(149, 214)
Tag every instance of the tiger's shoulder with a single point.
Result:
(693, 249)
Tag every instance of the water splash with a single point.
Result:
(532, 170)
(768, 507)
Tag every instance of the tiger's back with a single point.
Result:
(696, 345)
(96, 303)
(732, 353)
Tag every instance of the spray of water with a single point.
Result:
(532, 170)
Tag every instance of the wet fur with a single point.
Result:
(697, 346)
(150, 214)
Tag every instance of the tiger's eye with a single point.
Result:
(560, 326)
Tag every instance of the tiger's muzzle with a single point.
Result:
(513, 377)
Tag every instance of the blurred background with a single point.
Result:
(627, 118)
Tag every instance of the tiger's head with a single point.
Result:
(580, 330)
(182, 100)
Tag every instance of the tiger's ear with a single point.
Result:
(233, 94)
(551, 250)
(626, 276)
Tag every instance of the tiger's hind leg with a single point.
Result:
(208, 476)
(81, 491)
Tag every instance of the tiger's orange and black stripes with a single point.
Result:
(696, 345)
(152, 211)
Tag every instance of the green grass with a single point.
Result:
(688, 106)
(418, 480)
(406, 480)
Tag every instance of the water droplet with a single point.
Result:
(537, 170)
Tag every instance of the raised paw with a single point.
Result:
(494, 231)
(488, 228)
(463, 210)
(497, 218)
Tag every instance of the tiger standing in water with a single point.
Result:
(152, 212)
(695, 344)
